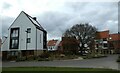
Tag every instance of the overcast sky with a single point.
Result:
(58, 15)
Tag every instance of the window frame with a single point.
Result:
(105, 45)
(15, 32)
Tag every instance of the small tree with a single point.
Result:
(70, 45)
(84, 33)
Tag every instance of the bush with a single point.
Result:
(21, 59)
(90, 56)
(43, 59)
(44, 55)
(31, 57)
(12, 58)
(69, 53)
(28, 58)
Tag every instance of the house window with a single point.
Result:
(97, 45)
(28, 40)
(104, 39)
(14, 43)
(14, 38)
(14, 33)
(29, 30)
(105, 45)
(51, 48)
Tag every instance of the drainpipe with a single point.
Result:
(26, 42)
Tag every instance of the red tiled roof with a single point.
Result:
(52, 42)
(102, 34)
(69, 40)
(114, 37)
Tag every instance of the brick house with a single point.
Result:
(114, 42)
(107, 43)
(101, 41)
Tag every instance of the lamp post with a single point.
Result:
(26, 42)
(110, 38)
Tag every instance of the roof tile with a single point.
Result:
(52, 42)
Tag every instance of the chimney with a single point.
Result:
(34, 18)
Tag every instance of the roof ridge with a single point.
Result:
(103, 31)
(37, 26)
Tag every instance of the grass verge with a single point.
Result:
(56, 69)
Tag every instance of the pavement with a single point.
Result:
(106, 62)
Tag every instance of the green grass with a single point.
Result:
(69, 69)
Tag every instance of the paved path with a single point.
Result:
(107, 62)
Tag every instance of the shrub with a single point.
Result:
(43, 59)
(21, 59)
(31, 57)
(44, 55)
(12, 58)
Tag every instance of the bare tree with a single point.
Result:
(84, 33)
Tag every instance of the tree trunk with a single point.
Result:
(82, 49)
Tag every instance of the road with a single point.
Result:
(106, 62)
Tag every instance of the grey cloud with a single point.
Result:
(72, 13)
(56, 22)
(97, 13)
(6, 22)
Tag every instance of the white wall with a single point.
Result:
(39, 44)
(4, 47)
(23, 23)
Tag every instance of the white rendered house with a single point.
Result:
(25, 36)
(53, 45)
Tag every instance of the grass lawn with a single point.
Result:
(56, 69)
